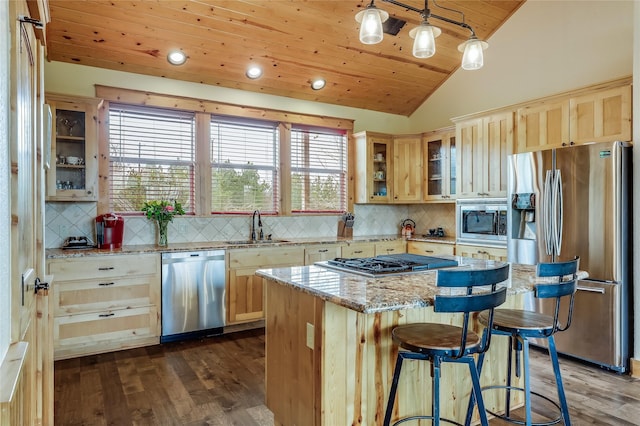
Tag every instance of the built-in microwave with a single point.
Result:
(482, 221)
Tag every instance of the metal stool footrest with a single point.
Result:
(522, 422)
(407, 419)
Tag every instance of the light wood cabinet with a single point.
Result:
(373, 167)
(245, 292)
(105, 303)
(407, 169)
(439, 159)
(390, 247)
(479, 252)
(320, 252)
(597, 115)
(73, 171)
(355, 250)
(483, 146)
(427, 248)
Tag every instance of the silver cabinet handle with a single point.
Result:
(599, 290)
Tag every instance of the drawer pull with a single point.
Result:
(323, 250)
(358, 251)
(106, 315)
(108, 268)
(105, 284)
(428, 251)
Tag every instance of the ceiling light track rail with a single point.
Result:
(371, 19)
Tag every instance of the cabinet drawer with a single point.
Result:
(358, 250)
(100, 267)
(266, 258)
(71, 297)
(429, 249)
(88, 333)
(321, 252)
(479, 252)
(390, 247)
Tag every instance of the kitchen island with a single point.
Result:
(329, 354)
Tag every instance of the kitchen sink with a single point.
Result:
(250, 242)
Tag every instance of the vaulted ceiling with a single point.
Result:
(294, 41)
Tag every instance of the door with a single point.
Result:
(592, 208)
(29, 312)
(596, 338)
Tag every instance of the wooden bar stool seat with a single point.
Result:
(440, 343)
(521, 326)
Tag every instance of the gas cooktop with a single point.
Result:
(393, 264)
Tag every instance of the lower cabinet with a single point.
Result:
(318, 253)
(356, 250)
(479, 252)
(245, 292)
(429, 249)
(390, 247)
(105, 303)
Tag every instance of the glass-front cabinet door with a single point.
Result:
(374, 168)
(73, 169)
(439, 150)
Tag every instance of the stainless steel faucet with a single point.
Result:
(253, 225)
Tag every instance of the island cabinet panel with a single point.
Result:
(330, 365)
(105, 303)
(245, 295)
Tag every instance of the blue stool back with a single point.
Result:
(559, 289)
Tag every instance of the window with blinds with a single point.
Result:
(152, 157)
(244, 165)
(318, 170)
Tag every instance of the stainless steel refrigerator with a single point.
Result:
(576, 201)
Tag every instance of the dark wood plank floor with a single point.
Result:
(220, 381)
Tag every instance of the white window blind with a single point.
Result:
(152, 156)
(318, 170)
(244, 165)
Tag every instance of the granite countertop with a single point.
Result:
(58, 253)
(369, 295)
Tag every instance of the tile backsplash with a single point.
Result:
(77, 219)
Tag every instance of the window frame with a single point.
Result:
(204, 109)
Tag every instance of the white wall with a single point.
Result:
(79, 80)
(5, 272)
(581, 43)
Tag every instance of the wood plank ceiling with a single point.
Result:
(294, 41)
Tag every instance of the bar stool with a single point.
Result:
(521, 326)
(440, 343)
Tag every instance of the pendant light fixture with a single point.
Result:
(424, 35)
(371, 20)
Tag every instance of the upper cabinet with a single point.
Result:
(439, 159)
(373, 167)
(73, 171)
(407, 169)
(483, 144)
(597, 115)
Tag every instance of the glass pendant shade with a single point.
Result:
(473, 56)
(424, 44)
(371, 20)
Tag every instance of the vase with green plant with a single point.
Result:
(162, 212)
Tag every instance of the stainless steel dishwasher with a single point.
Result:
(193, 293)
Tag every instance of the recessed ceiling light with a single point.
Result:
(176, 57)
(254, 71)
(318, 83)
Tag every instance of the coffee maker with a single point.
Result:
(109, 231)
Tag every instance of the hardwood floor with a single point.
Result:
(220, 381)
